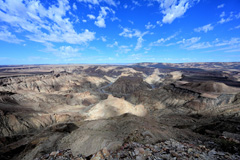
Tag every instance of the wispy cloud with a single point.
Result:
(237, 27)
(173, 9)
(136, 3)
(221, 6)
(130, 33)
(90, 16)
(112, 45)
(161, 41)
(139, 43)
(67, 51)
(130, 21)
(231, 17)
(194, 43)
(205, 28)
(97, 2)
(7, 36)
(222, 14)
(102, 15)
(124, 49)
(149, 26)
(103, 38)
(62, 51)
(201, 45)
(74, 6)
(224, 20)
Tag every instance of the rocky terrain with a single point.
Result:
(137, 111)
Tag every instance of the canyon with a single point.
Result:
(90, 108)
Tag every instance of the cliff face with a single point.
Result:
(181, 99)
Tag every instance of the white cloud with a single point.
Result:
(237, 27)
(190, 43)
(223, 20)
(74, 6)
(125, 6)
(84, 20)
(130, 33)
(112, 45)
(173, 9)
(193, 43)
(115, 19)
(103, 39)
(149, 26)
(222, 14)
(68, 51)
(237, 15)
(159, 23)
(228, 19)
(221, 6)
(90, 16)
(162, 40)
(202, 45)
(124, 49)
(9, 37)
(232, 45)
(139, 43)
(136, 3)
(43, 24)
(102, 15)
(72, 38)
(232, 41)
(62, 51)
(131, 22)
(97, 2)
(205, 28)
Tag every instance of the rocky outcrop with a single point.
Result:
(111, 133)
(170, 149)
(29, 146)
(127, 85)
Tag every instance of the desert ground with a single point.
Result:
(136, 111)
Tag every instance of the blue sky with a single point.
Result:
(119, 31)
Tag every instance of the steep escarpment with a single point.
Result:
(181, 99)
(210, 87)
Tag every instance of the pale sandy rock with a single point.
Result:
(114, 107)
(176, 75)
